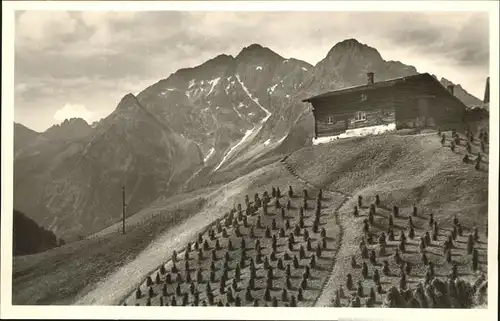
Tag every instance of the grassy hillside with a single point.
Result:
(403, 170)
(59, 275)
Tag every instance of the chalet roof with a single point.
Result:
(376, 85)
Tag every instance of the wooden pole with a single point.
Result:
(123, 209)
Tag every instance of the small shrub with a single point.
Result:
(353, 262)
(475, 259)
(385, 268)
(349, 282)
(395, 211)
(364, 270)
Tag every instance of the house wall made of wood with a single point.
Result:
(335, 115)
(413, 103)
(427, 104)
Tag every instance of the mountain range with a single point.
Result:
(196, 124)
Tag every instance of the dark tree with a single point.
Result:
(313, 261)
(353, 262)
(267, 294)
(163, 271)
(359, 289)
(475, 259)
(385, 268)
(376, 276)
(138, 293)
(355, 213)
(349, 283)
(395, 211)
(373, 257)
(364, 270)
(284, 295)
(300, 295)
(411, 233)
(268, 232)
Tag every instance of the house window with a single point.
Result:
(364, 97)
(330, 120)
(360, 116)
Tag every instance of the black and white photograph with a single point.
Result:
(281, 154)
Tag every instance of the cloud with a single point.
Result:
(73, 111)
(38, 28)
(93, 58)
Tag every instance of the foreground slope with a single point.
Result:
(406, 168)
(403, 169)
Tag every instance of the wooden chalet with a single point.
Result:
(408, 102)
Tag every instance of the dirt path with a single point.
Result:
(125, 280)
(327, 293)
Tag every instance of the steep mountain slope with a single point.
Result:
(29, 238)
(76, 189)
(23, 137)
(225, 103)
(462, 94)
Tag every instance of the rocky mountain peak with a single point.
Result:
(128, 101)
(72, 128)
(354, 49)
(258, 51)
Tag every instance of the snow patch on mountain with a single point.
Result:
(255, 100)
(237, 112)
(247, 134)
(214, 83)
(210, 153)
(267, 142)
(191, 83)
(304, 68)
(272, 88)
(258, 68)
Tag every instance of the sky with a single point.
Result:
(81, 63)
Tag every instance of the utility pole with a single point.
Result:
(123, 208)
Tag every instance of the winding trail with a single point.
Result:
(325, 298)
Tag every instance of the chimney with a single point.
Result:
(370, 76)
(450, 89)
